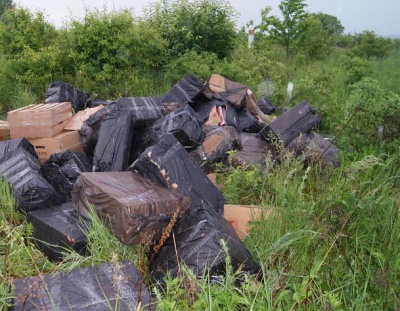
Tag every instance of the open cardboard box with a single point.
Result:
(45, 147)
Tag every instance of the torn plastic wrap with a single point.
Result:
(197, 244)
(114, 143)
(218, 143)
(235, 93)
(134, 208)
(9, 145)
(316, 149)
(254, 151)
(266, 105)
(30, 189)
(62, 170)
(186, 91)
(109, 286)
(59, 92)
(300, 119)
(57, 228)
(169, 163)
(207, 111)
(182, 123)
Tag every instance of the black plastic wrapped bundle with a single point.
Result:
(59, 92)
(30, 189)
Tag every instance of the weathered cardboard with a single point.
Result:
(76, 122)
(43, 120)
(240, 215)
(45, 147)
(4, 130)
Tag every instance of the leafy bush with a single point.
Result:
(370, 107)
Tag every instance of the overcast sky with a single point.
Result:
(381, 16)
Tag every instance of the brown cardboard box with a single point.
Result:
(4, 130)
(45, 147)
(76, 122)
(239, 216)
(43, 120)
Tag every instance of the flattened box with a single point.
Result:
(43, 120)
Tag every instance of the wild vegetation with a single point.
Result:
(331, 238)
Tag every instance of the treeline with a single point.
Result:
(115, 54)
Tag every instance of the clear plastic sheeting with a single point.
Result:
(30, 189)
(170, 164)
(134, 208)
(202, 241)
(59, 92)
(111, 286)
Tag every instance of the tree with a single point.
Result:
(369, 44)
(4, 5)
(287, 31)
(200, 26)
(315, 41)
(331, 24)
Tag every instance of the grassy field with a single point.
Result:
(331, 240)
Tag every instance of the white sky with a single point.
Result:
(381, 16)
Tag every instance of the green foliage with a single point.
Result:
(111, 49)
(356, 68)
(369, 45)
(5, 5)
(369, 107)
(315, 41)
(200, 26)
(287, 31)
(331, 24)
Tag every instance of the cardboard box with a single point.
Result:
(76, 122)
(45, 147)
(4, 130)
(37, 121)
(239, 217)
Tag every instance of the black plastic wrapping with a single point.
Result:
(300, 119)
(266, 105)
(197, 244)
(203, 109)
(9, 145)
(90, 131)
(254, 151)
(142, 110)
(114, 143)
(186, 91)
(182, 123)
(57, 228)
(110, 286)
(170, 164)
(30, 189)
(315, 149)
(217, 143)
(249, 123)
(59, 92)
(62, 170)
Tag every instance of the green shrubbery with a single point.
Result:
(330, 239)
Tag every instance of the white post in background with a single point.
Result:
(251, 37)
